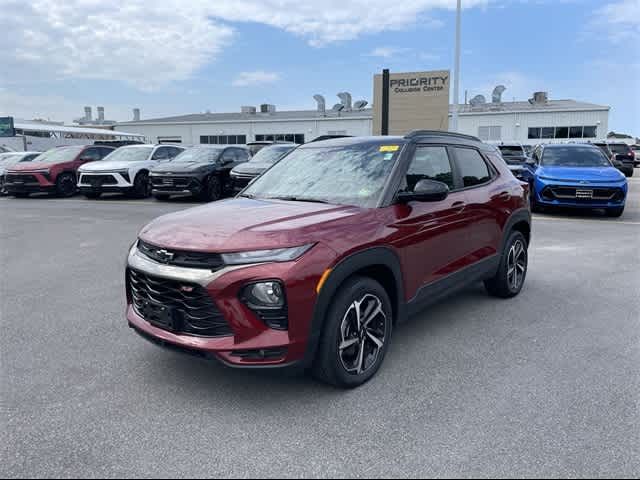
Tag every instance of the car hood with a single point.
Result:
(106, 165)
(181, 167)
(588, 174)
(251, 167)
(246, 224)
(31, 166)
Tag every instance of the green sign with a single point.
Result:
(6, 127)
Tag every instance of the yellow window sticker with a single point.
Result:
(389, 148)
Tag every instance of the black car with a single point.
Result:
(624, 154)
(261, 161)
(202, 172)
(515, 155)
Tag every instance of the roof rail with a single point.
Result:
(439, 133)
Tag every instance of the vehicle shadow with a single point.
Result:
(271, 387)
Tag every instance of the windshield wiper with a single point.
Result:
(298, 199)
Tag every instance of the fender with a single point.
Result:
(520, 215)
(344, 269)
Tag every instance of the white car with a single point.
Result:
(11, 158)
(126, 170)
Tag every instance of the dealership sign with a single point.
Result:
(417, 100)
(6, 127)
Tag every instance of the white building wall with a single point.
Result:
(190, 133)
(515, 125)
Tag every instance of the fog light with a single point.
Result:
(264, 294)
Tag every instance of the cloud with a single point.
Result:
(150, 44)
(259, 77)
(620, 21)
(386, 52)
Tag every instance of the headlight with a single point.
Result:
(260, 256)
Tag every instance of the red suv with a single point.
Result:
(53, 171)
(316, 261)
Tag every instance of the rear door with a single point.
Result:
(433, 234)
(489, 200)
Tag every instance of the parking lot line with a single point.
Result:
(583, 220)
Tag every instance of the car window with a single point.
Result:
(620, 148)
(104, 151)
(241, 155)
(161, 153)
(473, 168)
(92, 154)
(430, 163)
(574, 156)
(174, 151)
(229, 155)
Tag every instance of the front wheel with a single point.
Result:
(66, 185)
(212, 190)
(356, 334)
(512, 271)
(141, 185)
(615, 212)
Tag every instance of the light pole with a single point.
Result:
(456, 71)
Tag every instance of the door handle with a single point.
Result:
(458, 205)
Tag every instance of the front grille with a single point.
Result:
(179, 307)
(98, 180)
(181, 258)
(16, 178)
(582, 193)
(174, 182)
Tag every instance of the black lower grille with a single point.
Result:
(99, 180)
(582, 193)
(179, 307)
(12, 178)
(181, 182)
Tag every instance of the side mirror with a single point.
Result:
(426, 191)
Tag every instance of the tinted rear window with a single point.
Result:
(620, 148)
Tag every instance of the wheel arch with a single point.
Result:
(520, 221)
(379, 263)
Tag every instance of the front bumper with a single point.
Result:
(249, 335)
(96, 182)
(28, 183)
(175, 184)
(574, 195)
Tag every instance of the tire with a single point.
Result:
(629, 173)
(93, 195)
(512, 272)
(213, 189)
(356, 364)
(615, 212)
(66, 185)
(141, 186)
(535, 206)
(161, 197)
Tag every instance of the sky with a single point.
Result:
(171, 57)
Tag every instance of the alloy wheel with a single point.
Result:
(362, 334)
(516, 265)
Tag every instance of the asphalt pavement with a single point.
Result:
(543, 385)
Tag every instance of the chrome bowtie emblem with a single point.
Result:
(164, 255)
(186, 289)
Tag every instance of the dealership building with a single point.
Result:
(540, 119)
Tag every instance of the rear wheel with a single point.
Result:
(615, 212)
(66, 185)
(356, 334)
(629, 173)
(141, 185)
(512, 272)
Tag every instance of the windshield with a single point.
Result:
(353, 175)
(131, 154)
(272, 154)
(574, 157)
(11, 158)
(198, 155)
(514, 151)
(59, 155)
(620, 148)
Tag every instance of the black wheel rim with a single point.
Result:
(516, 265)
(143, 188)
(362, 334)
(214, 190)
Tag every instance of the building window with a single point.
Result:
(548, 132)
(223, 139)
(575, 132)
(280, 137)
(562, 132)
(590, 132)
(490, 133)
(534, 133)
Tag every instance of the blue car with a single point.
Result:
(575, 176)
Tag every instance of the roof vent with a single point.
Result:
(345, 98)
(321, 103)
(539, 98)
(100, 114)
(136, 114)
(88, 116)
(477, 101)
(267, 108)
(248, 109)
(496, 97)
